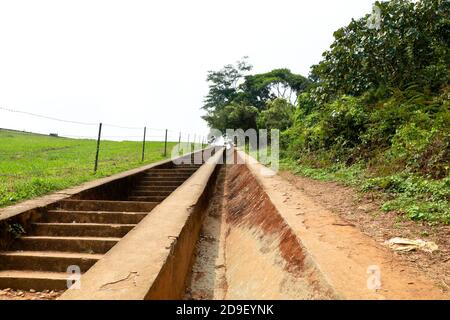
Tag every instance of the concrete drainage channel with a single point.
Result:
(247, 251)
(164, 232)
(217, 237)
(209, 231)
(213, 231)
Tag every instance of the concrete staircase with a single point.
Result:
(80, 232)
(159, 183)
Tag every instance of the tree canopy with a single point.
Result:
(378, 101)
(233, 92)
(409, 45)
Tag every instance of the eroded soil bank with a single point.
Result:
(246, 251)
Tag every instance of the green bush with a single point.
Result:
(278, 115)
(415, 196)
(409, 45)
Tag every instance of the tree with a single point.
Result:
(258, 89)
(409, 46)
(235, 116)
(223, 86)
(231, 91)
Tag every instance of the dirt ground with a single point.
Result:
(363, 211)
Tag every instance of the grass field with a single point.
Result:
(33, 165)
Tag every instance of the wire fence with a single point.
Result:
(100, 142)
(52, 153)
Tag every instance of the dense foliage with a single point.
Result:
(376, 107)
(235, 100)
(381, 94)
(408, 45)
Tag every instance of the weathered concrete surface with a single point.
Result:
(153, 260)
(246, 251)
(264, 259)
(341, 252)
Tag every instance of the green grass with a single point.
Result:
(32, 165)
(347, 175)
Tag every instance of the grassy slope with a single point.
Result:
(32, 165)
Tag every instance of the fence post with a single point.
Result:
(143, 144)
(165, 145)
(98, 147)
(179, 139)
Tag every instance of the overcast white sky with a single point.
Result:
(139, 63)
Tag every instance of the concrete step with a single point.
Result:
(181, 170)
(159, 183)
(68, 216)
(37, 280)
(147, 198)
(106, 205)
(186, 166)
(170, 182)
(81, 229)
(65, 244)
(46, 260)
(177, 170)
(156, 188)
(168, 174)
(166, 178)
(150, 193)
